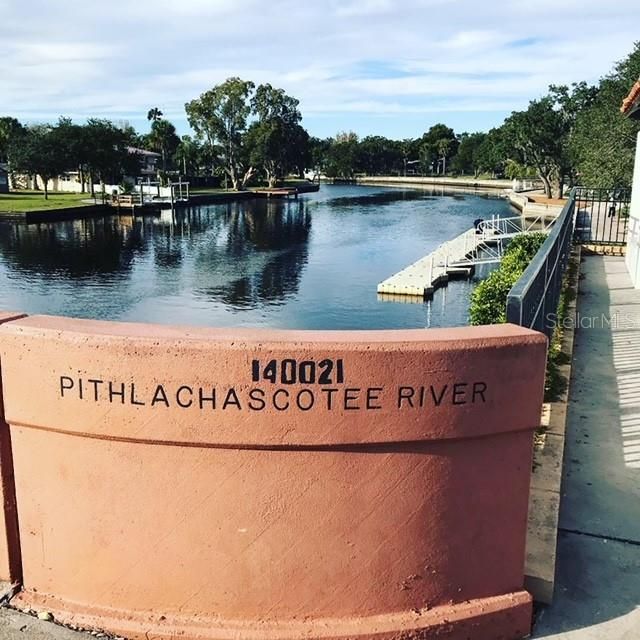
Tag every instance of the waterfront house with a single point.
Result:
(631, 104)
(70, 181)
(631, 108)
(148, 162)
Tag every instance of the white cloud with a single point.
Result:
(364, 8)
(471, 40)
(354, 57)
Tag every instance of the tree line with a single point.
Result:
(246, 133)
(243, 134)
(572, 135)
(99, 150)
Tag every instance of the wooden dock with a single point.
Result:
(285, 192)
(133, 204)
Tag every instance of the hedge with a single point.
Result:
(489, 298)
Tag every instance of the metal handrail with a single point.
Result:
(534, 298)
(602, 216)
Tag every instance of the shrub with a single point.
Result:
(489, 298)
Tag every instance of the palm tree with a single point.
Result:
(154, 114)
(186, 154)
(163, 138)
(444, 149)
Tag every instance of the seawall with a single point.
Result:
(468, 183)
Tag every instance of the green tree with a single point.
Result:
(408, 150)
(299, 150)
(10, 128)
(346, 136)
(42, 150)
(342, 156)
(78, 147)
(444, 147)
(492, 152)
(427, 157)
(109, 158)
(276, 141)
(571, 103)
(187, 155)
(467, 160)
(513, 169)
(537, 137)
(163, 139)
(219, 117)
(603, 143)
(380, 156)
(440, 144)
(131, 136)
(319, 153)
(543, 136)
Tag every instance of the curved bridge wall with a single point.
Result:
(269, 484)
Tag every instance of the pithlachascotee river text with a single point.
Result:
(247, 398)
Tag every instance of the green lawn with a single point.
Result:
(21, 201)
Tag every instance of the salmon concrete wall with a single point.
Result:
(10, 569)
(180, 481)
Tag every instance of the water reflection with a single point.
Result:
(72, 249)
(380, 198)
(310, 263)
(248, 254)
(273, 235)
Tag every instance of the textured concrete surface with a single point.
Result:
(598, 575)
(10, 566)
(203, 483)
(15, 625)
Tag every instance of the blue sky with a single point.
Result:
(371, 66)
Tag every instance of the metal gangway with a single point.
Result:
(482, 244)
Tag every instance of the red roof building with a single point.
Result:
(631, 104)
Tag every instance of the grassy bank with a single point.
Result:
(555, 382)
(25, 201)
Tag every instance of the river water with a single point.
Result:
(311, 263)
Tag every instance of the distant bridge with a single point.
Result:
(458, 257)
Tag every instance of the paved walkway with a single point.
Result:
(15, 625)
(598, 573)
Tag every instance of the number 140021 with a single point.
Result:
(290, 371)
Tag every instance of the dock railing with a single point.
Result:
(127, 200)
(533, 300)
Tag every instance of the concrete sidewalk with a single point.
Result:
(598, 573)
(15, 625)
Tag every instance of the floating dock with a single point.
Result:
(459, 257)
(285, 192)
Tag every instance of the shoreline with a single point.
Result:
(101, 210)
(449, 185)
(473, 183)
